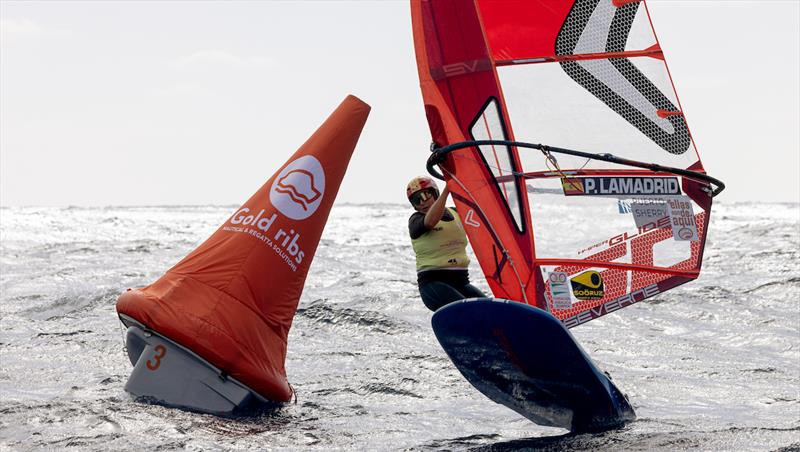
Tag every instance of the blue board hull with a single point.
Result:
(525, 359)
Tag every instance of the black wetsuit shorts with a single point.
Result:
(441, 287)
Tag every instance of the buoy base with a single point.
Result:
(166, 373)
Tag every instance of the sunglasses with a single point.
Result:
(423, 195)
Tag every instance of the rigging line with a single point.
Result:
(494, 152)
(494, 231)
(550, 158)
(493, 167)
(438, 156)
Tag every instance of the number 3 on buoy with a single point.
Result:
(160, 352)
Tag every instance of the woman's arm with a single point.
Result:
(434, 214)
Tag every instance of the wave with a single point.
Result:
(791, 282)
(321, 312)
(627, 439)
(69, 305)
(383, 388)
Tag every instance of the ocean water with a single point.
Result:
(712, 365)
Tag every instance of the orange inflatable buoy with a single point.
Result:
(230, 302)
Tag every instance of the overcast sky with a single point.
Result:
(153, 103)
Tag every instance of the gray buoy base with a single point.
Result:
(169, 374)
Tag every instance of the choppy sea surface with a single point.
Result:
(711, 365)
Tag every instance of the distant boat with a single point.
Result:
(211, 334)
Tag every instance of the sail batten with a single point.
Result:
(651, 53)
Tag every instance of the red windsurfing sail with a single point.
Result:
(580, 234)
(232, 300)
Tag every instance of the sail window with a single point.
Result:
(488, 125)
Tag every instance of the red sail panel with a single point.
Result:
(232, 300)
(523, 29)
(460, 90)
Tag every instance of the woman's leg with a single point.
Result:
(471, 291)
(436, 294)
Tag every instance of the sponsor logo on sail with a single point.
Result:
(616, 186)
(298, 190)
(588, 286)
(559, 290)
(572, 186)
(681, 215)
(611, 306)
(470, 220)
(460, 68)
(685, 234)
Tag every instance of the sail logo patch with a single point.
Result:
(613, 186)
(681, 215)
(298, 189)
(559, 290)
(646, 211)
(470, 220)
(588, 286)
(572, 186)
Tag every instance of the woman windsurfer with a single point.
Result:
(440, 245)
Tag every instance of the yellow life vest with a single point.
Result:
(444, 246)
